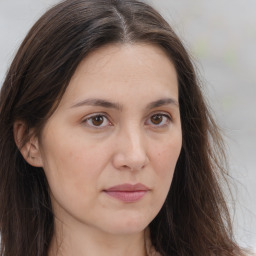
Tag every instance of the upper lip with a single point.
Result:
(128, 187)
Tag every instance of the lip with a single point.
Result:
(127, 192)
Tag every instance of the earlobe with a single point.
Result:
(27, 144)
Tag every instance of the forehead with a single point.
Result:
(130, 69)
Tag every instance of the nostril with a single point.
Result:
(135, 166)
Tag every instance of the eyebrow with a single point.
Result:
(162, 102)
(99, 103)
(108, 104)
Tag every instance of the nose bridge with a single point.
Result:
(131, 151)
(135, 140)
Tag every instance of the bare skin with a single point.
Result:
(117, 123)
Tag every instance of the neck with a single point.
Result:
(84, 241)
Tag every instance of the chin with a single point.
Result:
(128, 225)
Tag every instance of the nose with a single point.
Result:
(130, 150)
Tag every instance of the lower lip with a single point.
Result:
(127, 196)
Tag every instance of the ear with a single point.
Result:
(30, 149)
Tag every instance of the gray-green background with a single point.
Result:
(221, 37)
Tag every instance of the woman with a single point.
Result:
(106, 144)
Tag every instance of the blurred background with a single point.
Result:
(221, 38)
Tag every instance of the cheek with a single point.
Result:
(166, 156)
(73, 168)
(73, 164)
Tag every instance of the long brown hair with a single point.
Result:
(194, 220)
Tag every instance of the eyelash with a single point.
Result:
(88, 121)
(164, 116)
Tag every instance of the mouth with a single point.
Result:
(127, 192)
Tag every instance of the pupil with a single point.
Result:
(156, 119)
(97, 120)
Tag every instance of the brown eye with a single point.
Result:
(157, 119)
(97, 120)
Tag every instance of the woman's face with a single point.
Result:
(109, 150)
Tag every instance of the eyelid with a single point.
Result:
(110, 123)
(161, 113)
(88, 117)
